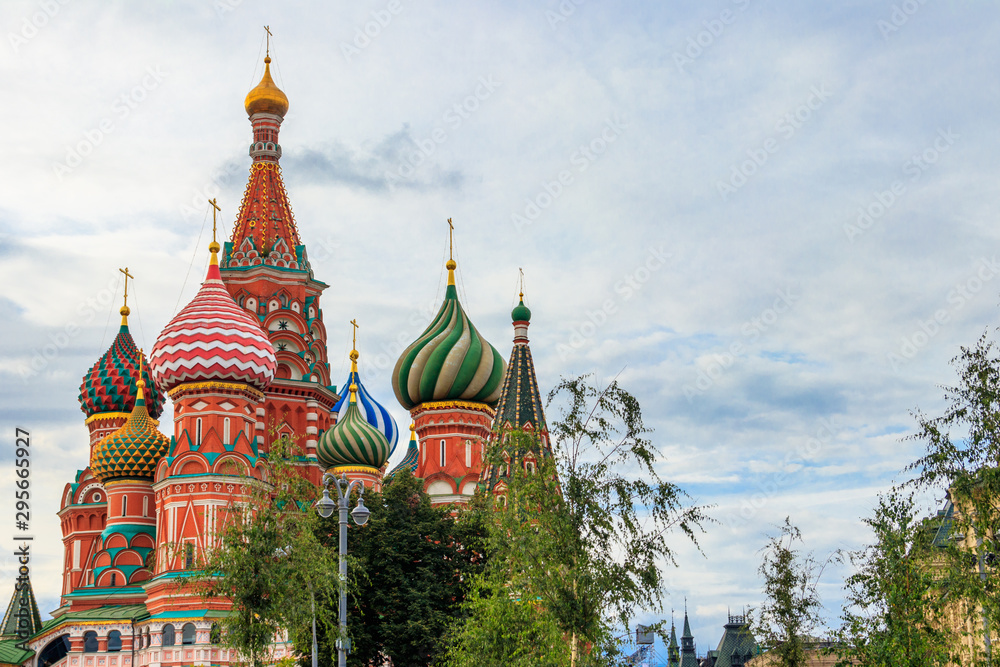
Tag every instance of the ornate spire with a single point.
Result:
(352, 441)
(450, 360)
(109, 385)
(411, 457)
(373, 411)
(22, 619)
(133, 450)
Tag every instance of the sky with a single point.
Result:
(773, 222)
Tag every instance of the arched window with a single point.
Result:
(442, 453)
(55, 651)
(188, 556)
(169, 635)
(145, 505)
(225, 431)
(197, 432)
(90, 642)
(215, 634)
(187, 633)
(530, 467)
(468, 454)
(124, 505)
(502, 501)
(147, 642)
(114, 641)
(114, 578)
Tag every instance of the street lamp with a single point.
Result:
(325, 507)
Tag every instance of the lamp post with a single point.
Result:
(325, 507)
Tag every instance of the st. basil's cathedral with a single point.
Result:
(245, 363)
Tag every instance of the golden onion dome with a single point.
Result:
(266, 97)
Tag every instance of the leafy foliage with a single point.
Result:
(895, 596)
(581, 541)
(269, 562)
(790, 611)
(963, 454)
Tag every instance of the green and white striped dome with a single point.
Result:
(352, 441)
(449, 361)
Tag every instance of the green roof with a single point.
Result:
(22, 605)
(737, 645)
(11, 654)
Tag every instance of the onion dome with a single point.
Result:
(133, 450)
(352, 441)
(212, 338)
(372, 410)
(450, 360)
(109, 385)
(266, 97)
(412, 456)
(521, 312)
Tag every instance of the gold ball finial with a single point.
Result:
(267, 59)
(354, 355)
(125, 311)
(214, 246)
(353, 388)
(450, 265)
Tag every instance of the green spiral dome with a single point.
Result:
(352, 441)
(449, 361)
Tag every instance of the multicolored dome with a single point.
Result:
(266, 97)
(450, 360)
(133, 450)
(372, 410)
(352, 441)
(212, 338)
(412, 456)
(109, 385)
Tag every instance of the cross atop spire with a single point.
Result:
(214, 246)
(450, 264)
(125, 309)
(267, 29)
(354, 334)
(521, 271)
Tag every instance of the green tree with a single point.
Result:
(790, 611)
(894, 599)
(411, 563)
(269, 562)
(582, 541)
(963, 454)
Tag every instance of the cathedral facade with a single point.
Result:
(244, 364)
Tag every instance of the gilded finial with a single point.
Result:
(214, 246)
(267, 54)
(451, 264)
(354, 348)
(354, 392)
(140, 383)
(125, 309)
(521, 271)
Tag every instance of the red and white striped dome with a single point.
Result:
(212, 338)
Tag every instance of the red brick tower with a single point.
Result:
(266, 270)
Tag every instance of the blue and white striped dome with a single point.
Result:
(373, 412)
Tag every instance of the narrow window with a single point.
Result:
(124, 506)
(225, 431)
(145, 506)
(197, 432)
(468, 454)
(188, 555)
(114, 579)
(442, 453)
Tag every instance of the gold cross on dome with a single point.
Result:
(354, 335)
(521, 271)
(127, 276)
(267, 29)
(215, 209)
(451, 243)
